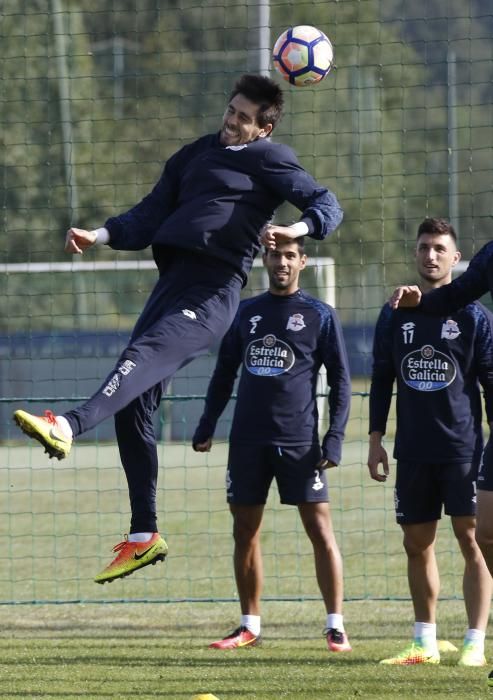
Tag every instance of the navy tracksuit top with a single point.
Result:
(203, 220)
(281, 342)
(214, 200)
(436, 362)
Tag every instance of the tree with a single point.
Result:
(144, 78)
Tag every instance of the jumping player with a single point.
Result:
(281, 338)
(438, 363)
(205, 220)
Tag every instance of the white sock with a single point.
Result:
(140, 536)
(252, 623)
(426, 634)
(477, 637)
(335, 621)
(65, 426)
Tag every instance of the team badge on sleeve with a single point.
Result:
(295, 323)
(450, 329)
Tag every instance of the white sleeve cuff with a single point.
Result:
(301, 228)
(102, 236)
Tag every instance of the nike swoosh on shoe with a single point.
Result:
(142, 554)
(60, 438)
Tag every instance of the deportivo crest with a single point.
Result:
(295, 323)
(450, 329)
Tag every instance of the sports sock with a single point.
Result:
(425, 634)
(476, 637)
(335, 621)
(140, 536)
(252, 623)
(65, 426)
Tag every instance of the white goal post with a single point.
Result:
(325, 270)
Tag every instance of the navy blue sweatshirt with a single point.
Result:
(281, 342)
(437, 362)
(214, 200)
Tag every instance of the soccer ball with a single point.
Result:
(303, 55)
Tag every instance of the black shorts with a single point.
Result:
(485, 474)
(251, 469)
(422, 489)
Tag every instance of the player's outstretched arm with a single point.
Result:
(406, 296)
(377, 455)
(271, 235)
(79, 240)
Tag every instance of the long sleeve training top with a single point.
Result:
(281, 342)
(214, 200)
(437, 363)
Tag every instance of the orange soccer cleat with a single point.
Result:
(241, 637)
(337, 640)
(132, 556)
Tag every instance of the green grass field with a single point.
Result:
(62, 636)
(60, 521)
(160, 651)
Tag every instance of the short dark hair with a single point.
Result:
(438, 226)
(301, 244)
(264, 92)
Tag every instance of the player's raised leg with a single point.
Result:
(53, 432)
(152, 356)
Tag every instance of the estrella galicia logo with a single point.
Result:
(268, 356)
(428, 369)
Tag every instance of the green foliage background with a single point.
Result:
(390, 131)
